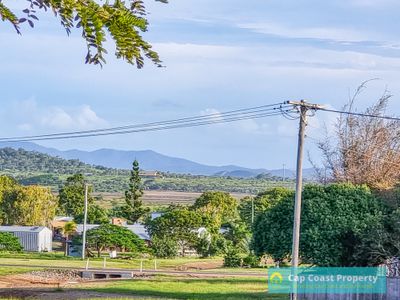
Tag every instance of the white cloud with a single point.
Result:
(55, 118)
(328, 33)
(284, 57)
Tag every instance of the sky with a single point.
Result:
(218, 56)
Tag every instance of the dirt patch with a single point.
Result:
(48, 278)
(53, 284)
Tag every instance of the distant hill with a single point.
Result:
(12, 160)
(149, 160)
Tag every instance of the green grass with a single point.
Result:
(14, 270)
(50, 260)
(36, 255)
(169, 287)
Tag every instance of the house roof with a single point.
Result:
(14, 228)
(63, 218)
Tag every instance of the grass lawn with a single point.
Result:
(51, 260)
(148, 264)
(170, 287)
(14, 270)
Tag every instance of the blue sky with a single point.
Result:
(219, 55)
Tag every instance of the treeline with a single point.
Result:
(34, 168)
(117, 183)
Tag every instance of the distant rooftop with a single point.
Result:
(14, 228)
(63, 218)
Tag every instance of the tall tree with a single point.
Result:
(262, 202)
(218, 207)
(364, 150)
(134, 209)
(177, 227)
(30, 205)
(68, 229)
(72, 195)
(122, 21)
(95, 215)
(6, 184)
(72, 201)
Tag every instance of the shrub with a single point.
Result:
(164, 247)
(9, 242)
(232, 259)
(251, 261)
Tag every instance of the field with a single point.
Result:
(183, 278)
(148, 287)
(154, 198)
(38, 260)
(168, 287)
(118, 182)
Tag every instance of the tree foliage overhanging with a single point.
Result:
(123, 21)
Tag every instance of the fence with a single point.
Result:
(392, 293)
(392, 287)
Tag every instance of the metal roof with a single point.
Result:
(63, 218)
(14, 228)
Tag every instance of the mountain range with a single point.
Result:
(149, 160)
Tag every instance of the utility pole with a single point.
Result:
(284, 172)
(252, 210)
(85, 221)
(304, 107)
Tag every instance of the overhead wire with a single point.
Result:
(359, 114)
(214, 118)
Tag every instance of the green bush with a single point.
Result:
(232, 259)
(9, 242)
(334, 222)
(164, 247)
(251, 261)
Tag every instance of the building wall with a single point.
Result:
(35, 241)
(28, 240)
(45, 240)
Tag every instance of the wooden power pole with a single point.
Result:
(304, 107)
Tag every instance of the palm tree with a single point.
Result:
(68, 229)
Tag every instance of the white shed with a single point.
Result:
(32, 238)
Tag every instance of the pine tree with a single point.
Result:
(134, 209)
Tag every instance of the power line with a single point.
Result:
(156, 128)
(215, 118)
(269, 107)
(359, 114)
